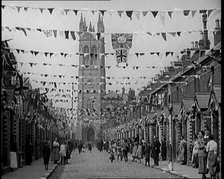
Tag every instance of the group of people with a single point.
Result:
(82, 146)
(60, 152)
(139, 149)
(205, 156)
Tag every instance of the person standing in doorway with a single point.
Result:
(46, 154)
(156, 150)
(182, 151)
(194, 159)
(125, 150)
(163, 149)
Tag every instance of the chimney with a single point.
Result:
(205, 38)
(217, 33)
(196, 44)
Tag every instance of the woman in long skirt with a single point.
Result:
(202, 164)
(134, 151)
(46, 154)
(55, 151)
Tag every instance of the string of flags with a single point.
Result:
(69, 34)
(129, 13)
(65, 55)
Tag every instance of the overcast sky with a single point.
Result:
(142, 42)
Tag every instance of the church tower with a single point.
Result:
(91, 79)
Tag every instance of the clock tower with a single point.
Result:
(91, 79)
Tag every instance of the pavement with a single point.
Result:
(182, 171)
(34, 171)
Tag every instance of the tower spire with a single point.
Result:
(81, 24)
(90, 27)
(100, 26)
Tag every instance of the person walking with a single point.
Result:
(55, 151)
(194, 159)
(134, 151)
(212, 159)
(147, 154)
(125, 150)
(62, 153)
(156, 150)
(80, 147)
(46, 154)
(182, 151)
(140, 152)
(202, 164)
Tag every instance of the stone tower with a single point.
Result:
(91, 79)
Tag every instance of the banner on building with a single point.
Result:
(121, 43)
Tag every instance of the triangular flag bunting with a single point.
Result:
(154, 13)
(18, 8)
(167, 53)
(55, 33)
(170, 14)
(75, 11)
(193, 12)
(102, 12)
(178, 33)
(73, 35)
(3, 6)
(120, 13)
(186, 12)
(162, 17)
(129, 14)
(25, 8)
(137, 14)
(144, 13)
(209, 12)
(157, 53)
(172, 33)
(41, 10)
(137, 54)
(66, 34)
(50, 10)
(66, 11)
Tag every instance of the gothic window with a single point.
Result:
(86, 49)
(93, 58)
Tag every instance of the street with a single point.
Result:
(98, 165)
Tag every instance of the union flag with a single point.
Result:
(121, 40)
(121, 55)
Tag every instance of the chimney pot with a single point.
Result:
(196, 44)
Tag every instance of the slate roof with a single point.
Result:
(202, 99)
(188, 103)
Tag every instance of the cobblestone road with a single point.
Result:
(98, 165)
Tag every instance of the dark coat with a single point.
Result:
(155, 148)
(46, 153)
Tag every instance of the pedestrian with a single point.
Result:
(212, 159)
(206, 137)
(202, 163)
(29, 150)
(125, 150)
(182, 151)
(194, 159)
(147, 154)
(156, 150)
(55, 151)
(163, 149)
(80, 147)
(111, 152)
(90, 147)
(46, 154)
(139, 151)
(13, 154)
(67, 152)
(62, 153)
(119, 152)
(134, 151)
